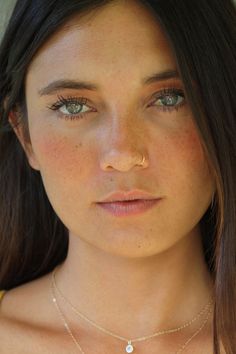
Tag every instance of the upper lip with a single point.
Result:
(124, 196)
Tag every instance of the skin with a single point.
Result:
(118, 270)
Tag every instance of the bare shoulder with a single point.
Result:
(27, 303)
(25, 320)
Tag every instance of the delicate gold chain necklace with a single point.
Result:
(129, 348)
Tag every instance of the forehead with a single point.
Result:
(107, 42)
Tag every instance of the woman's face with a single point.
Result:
(84, 158)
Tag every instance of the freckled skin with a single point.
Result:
(73, 169)
(70, 153)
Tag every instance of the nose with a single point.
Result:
(124, 147)
(123, 162)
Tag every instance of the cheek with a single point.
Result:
(197, 159)
(61, 158)
(66, 169)
(190, 148)
(186, 160)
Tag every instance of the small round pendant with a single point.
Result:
(129, 348)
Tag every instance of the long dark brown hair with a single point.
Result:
(202, 34)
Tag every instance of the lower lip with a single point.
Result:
(129, 208)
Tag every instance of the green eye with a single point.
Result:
(169, 99)
(71, 107)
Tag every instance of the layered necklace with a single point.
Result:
(129, 347)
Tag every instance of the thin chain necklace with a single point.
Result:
(129, 348)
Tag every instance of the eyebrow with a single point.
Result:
(55, 86)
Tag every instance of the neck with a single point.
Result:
(133, 297)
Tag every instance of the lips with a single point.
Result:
(134, 195)
(128, 208)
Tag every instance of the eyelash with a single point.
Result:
(62, 101)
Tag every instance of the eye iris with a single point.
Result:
(170, 100)
(72, 108)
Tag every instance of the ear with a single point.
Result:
(23, 137)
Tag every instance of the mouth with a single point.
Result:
(128, 207)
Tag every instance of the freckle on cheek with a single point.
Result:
(55, 149)
(78, 145)
(61, 155)
(195, 149)
(189, 145)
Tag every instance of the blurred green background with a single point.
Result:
(6, 7)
